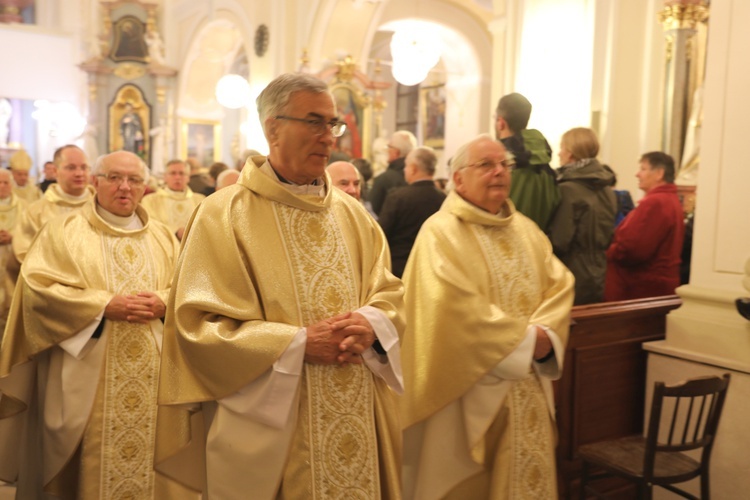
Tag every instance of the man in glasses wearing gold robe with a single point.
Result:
(284, 322)
(488, 311)
(86, 323)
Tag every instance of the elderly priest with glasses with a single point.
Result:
(488, 306)
(288, 338)
(86, 322)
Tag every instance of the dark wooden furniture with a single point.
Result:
(601, 393)
(692, 411)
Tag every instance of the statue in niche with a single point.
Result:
(131, 130)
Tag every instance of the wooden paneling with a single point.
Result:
(601, 393)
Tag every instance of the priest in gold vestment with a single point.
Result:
(10, 208)
(20, 164)
(284, 322)
(488, 308)
(85, 322)
(174, 204)
(70, 193)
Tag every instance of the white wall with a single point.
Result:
(38, 64)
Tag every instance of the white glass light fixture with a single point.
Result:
(233, 91)
(414, 52)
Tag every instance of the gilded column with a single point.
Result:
(679, 19)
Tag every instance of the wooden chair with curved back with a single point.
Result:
(692, 411)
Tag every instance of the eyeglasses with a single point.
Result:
(134, 182)
(318, 125)
(485, 166)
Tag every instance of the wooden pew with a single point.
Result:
(601, 393)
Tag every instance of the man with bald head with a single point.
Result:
(488, 306)
(345, 176)
(70, 193)
(87, 318)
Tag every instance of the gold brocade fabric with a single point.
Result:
(72, 271)
(280, 261)
(474, 283)
(28, 193)
(9, 216)
(171, 208)
(53, 203)
(131, 377)
(340, 434)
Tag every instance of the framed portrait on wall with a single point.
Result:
(432, 104)
(129, 43)
(201, 140)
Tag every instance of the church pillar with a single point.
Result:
(679, 19)
(706, 335)
(10, 10)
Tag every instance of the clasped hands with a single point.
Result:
(139, 308)
(339, 340)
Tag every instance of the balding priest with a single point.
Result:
(86, 323)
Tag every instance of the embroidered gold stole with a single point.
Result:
(334, 450)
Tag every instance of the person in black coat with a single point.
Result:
(405, 209)
(401, 143)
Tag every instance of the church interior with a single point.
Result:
(179, 78)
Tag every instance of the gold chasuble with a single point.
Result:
(474, 283)
(265, 262)
(87, 427)
(28, 193)
(54, 202)
(171, 207)
(10, 212)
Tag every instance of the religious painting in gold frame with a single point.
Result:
(201, 139)
(354, 109)
(129, 122)
(432, 105)
(129, 43)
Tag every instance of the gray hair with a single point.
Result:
(461, 158)
(404, 141)
(223, 181)
(276, 95)
(424, 158)
(99, 164)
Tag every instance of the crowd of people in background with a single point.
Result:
(307, 295)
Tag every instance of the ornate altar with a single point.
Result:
(130, 85)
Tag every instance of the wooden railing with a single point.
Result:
(601, 393)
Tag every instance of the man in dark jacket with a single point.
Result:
(400, 145)
(532, 189)
(644, 257)
(406, 208)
